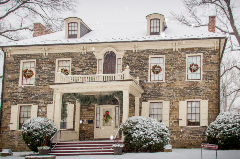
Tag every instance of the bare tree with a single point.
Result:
(228, 22)
(18, 15)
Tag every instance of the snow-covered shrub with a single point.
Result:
(144, 134)
(36, 131)
(225, 131)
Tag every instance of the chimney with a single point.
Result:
(40, 29)
(211, 24)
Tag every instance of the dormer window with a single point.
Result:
(72, 30)
(155, 24)
(75, 28)
(155, 27)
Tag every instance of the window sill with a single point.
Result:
(156, 81)
(25, 85)
(193, 80)
(193, 126)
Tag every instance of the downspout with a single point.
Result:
(219, 76)
(2, 91)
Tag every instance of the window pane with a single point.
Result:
(189, 110)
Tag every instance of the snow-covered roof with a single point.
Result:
(120, 32)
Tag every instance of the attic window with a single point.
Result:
(72, 30)
(155, 27)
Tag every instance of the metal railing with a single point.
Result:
(116, 138)
(55, 139)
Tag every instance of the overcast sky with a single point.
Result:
(118, 11)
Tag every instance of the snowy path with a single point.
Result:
(176, 154)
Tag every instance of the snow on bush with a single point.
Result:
(225, 131)
(144, 134)
(36, 130)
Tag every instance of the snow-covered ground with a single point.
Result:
(175, 154)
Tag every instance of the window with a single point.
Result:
(116, 117)
(119, 65)
(63, 63)
(72, 30)
(155, 111)
(25, 113)
(97, 117)
(159, 74)
(27, 72)
(193, 113)
(20, 113)
(100, 66)
(155, 27)
(194, 67)
(67, 119)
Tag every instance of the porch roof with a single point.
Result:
(94, 88)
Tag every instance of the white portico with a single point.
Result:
(94, 85)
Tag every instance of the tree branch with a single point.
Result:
(229, 70)
(8, 37)
(4, 2)
(12, 30)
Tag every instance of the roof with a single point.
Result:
(119, 32)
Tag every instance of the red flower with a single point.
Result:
(66, 70)
(30, 70)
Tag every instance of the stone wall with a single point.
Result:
(176, 88)
(40, 94)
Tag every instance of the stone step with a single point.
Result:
(79, 151)
(84, 145)
(83, 153)
(81, 148)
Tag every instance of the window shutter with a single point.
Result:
(145, 109)
(182, 113)
(204, 113)
(50, 111)
(14, 117)
(34, 111)
(70, 111)
(165, 113)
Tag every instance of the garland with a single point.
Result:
(65, 71)
(27, 73)
(90, 99)
(106, 117)
(193, 67)
(156, 69)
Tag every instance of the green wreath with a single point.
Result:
(106, 117)
(65, 71)
(193, 67)
(27, 73)
(156, 69)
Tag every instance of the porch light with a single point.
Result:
(80, 121)
(111, 137)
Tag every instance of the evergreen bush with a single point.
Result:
(37, 132)
(225, 131)
(144, 134)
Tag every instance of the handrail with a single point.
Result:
(116, 138)
(56, 135)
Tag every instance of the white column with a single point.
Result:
(136, 106)
(125, 105)
(57, 109)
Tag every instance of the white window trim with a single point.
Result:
(65, 59)
(21, 74)
(18, 113)
(100, 56)
(201, 107)
(200, 66)
(165, 118)
(149, 68)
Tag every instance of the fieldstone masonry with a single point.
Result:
(174, 89)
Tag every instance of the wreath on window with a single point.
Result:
(156, 69)
(65, 71)
(193, 67)
(106, 117)
(27, 73)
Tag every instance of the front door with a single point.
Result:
(109, 64)
(102, 128)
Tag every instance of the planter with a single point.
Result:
(43, 150)
(118, 150)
